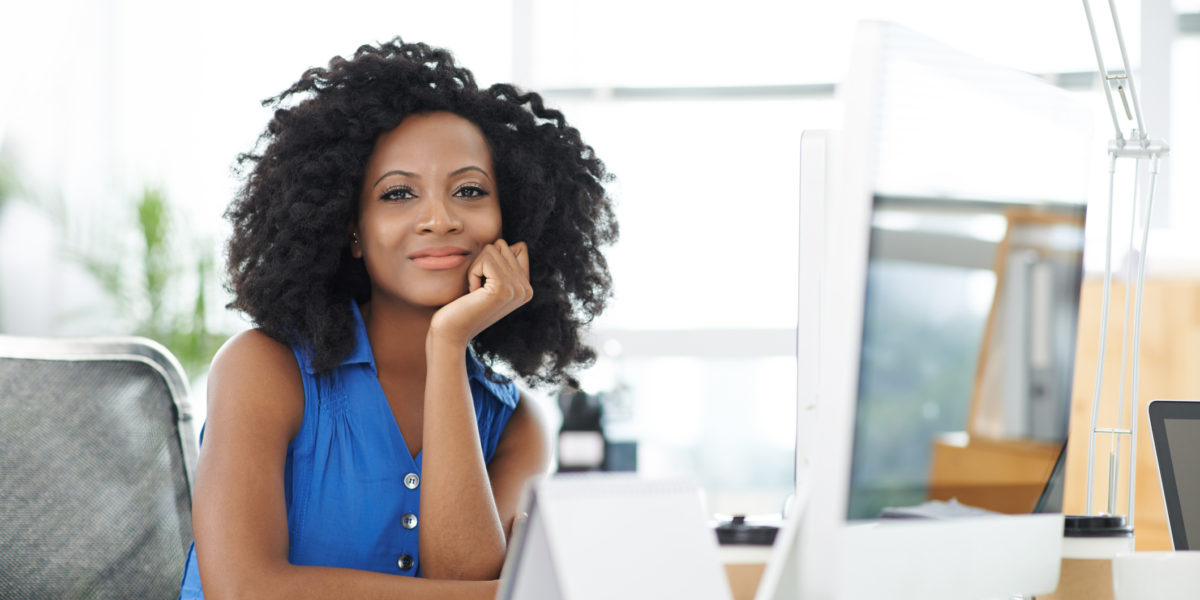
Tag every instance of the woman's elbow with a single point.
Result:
(470, 568)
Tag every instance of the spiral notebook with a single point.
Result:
(601, 536)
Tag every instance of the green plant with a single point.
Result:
(151, 288)
(10, 183)
(154, 275)
(10, 187)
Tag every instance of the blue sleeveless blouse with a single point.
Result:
(351, 484)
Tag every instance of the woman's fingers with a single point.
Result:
(503, 270)
(521, 252)
(490, 270)
(516, 258)
(476, 273)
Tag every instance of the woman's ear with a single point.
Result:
(355, 243)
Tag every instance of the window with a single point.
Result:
(696, 106)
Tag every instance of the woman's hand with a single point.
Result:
(497, 284)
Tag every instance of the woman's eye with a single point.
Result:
(398, 193)
(470, 191)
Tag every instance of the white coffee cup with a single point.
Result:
(1157, 576)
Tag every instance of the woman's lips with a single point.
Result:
(448, 261)
(445, 257)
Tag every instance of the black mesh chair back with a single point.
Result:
(96, 455)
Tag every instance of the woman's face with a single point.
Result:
(429, 205)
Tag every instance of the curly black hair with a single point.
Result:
(289, 262)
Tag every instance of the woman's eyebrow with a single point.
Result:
(470, 168)
(415, 176)
(395, 172)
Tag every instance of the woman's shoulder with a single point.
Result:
(254, 372)
(253, 349)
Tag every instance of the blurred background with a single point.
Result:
(120, 121)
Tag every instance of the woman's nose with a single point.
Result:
(439, 216)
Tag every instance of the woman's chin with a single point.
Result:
(437, 300)
(430, 297)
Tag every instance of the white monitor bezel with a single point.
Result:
(846, 215)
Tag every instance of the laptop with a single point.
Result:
(598, 536)
(1051, 498)
(1175, 431)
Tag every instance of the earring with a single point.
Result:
(354, 237)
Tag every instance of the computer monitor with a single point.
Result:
(959, 187)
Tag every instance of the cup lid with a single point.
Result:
(1096, 526)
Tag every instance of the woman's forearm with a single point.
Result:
(300, 582)
(460, 533)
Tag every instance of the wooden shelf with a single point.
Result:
(1002, 475)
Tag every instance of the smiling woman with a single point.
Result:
(400, 231)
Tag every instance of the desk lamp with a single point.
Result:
(1138, 146)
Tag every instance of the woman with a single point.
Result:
(399, 230)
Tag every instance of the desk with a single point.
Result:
(744, 567)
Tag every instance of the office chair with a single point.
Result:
(97, 449)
